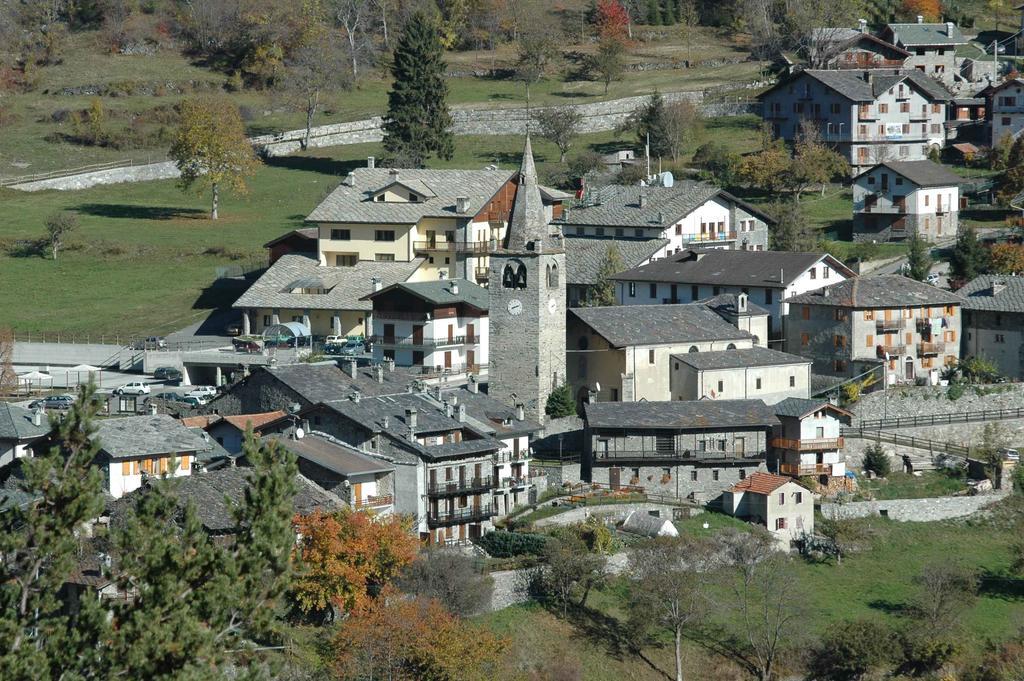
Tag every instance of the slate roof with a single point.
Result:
(488, 415)
(742, 357)
(584, 256)
(725, 303)
(922, 173)
(136, 436)
(977, 293)
(798, 407)
(213, 494)
(16, 423)
(439, 293)
(617, 205)
(760, 483)
(334, 456)
(891, 290)
(11, 479)
(854, 85)
(303, 233)
(680, 415)
(326, 382)
(625, 325)
(926, 34)
(528, 223)
(348, 285)
(354, 203)
(731, 268)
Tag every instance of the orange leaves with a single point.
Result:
(931, 10)
(1007, 258)
(612, 21)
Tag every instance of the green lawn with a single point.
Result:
(907, 486)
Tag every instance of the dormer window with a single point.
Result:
(413, 198)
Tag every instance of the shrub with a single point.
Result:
(955, 392)
(876, 460)
(851, 392)
(850, 650)
(502, 544)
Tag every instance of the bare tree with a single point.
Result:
(8, 379)
(313, 70)
(537, 47)
(452, 579)
(560, 126)
(946, 590)
(352, 16)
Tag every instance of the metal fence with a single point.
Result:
(937, 419)
(932, 446)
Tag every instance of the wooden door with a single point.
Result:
(471, 358)
(614, 476)
(462, 532)
(740, 445)
(417, 335)
(448, 359)
(470, 334)
(389, 331)
(462, 476)
(357, 494)
(451, 333)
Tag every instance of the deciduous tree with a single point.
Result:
(571, 568)
(1007, 258)
(347, 557)
(609, 61)
(767, 169)
(931, 10)
(560, 126)
(211, 149)
(791, 232)
(851, 650)
(536, 49)
(418, 124)
(611, 21)
(58, 227)
(8, 379)
(312, 71)
(813, 163)
(667, 126)
(919, 256)
(602, 294)
(450, 578)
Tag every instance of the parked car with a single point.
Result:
(1010, 454)
(335, 340)
(167, 374)
(53, 402)
(133, 388)
(352, 347)
(167, 397)
(933, 279)
(152, 343)
(233, 328)
(248, 344)
(204, 391)
(192, 400)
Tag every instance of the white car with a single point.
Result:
(133, 388)
(335, 340)
(933, 279)
(203, 391)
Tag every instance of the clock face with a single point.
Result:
(515, 307)
(552, 305)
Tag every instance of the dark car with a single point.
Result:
(167, 374)
(54, 402)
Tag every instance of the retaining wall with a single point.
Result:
(912, 510)
(135, 173)
(71, 354)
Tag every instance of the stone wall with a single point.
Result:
(618, 513)
(702, 483)
(912, 510)
(928, 401)
(134, 173)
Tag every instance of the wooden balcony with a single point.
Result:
(459, 516)
(481, 247)
(375, 501)
(889, 325)
(656, 458)
(891, 350)
(808, 445)
(441, 488)
(924, 349)
(798, 470)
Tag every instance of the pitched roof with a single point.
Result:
(325, 382)
(978, 294)
(440, 292)
(334, 455)
(726, 304)
(16, 423)
(926, 34)
(201, 421)
(799, 407)
(528, 224)
(885, 44)
(488, 415)
(137, 436)
(584, 256)
(355, 204)
(867, 85)
(922, 173)
(680, 415)
(346, 286)
(742, 357)
(890, 290)
(760, 483)
(243, 421)
(626, 325)
(303, 234)
(771, 269)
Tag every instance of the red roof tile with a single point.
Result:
(242, 421)
(760, 483)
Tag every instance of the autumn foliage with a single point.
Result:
(1007, 258)
(931, 10)
(346, 558)
(399, 637)
(612, 21)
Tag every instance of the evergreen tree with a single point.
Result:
(651, 118)
(876, 460)
(668, 12)
(919, 257)
(969, 257)
(39, 544)
(791, 232)
(1011, 181)
(560, 402)
(653, 12)
(603, 292)
(417, 124)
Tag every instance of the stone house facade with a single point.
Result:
(1004, 109)
(808, 440)
(994, 322)
(894, 199)
(932, 47)
(754, 373)
(778, 503)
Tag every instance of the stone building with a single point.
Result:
(858, 49)
(688, 214)
(585, 256)
(624, 352)
(994, 322)
(1004, 109)
(134, 448)
(808, 440)
(693, 450)
(869, 116)
(527, 302)
(896, 198)
(19, 428)
(754, 373)
(932, 47)
(910, 328)
(782, 506)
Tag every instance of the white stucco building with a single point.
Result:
(893, 199)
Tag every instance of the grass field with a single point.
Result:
(32, 141)
(906, 486)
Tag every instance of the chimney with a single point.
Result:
(393, 174)
(350, 180)
(825, 292)
(371, 162)
(378, 373)
(863, 25)
(152, 410)
(455, 288)
(410, 420)
(920, 19)
(520, 411)
(472, 384)
(377, 284)
(949, 29)
(390, 364)
(741, 302)
(438, 393)
(356, 396)
(37, 417)
(461, 413)
(386, 422)
(461, 204)
(641, 199)
(448, 410)
(350, 368)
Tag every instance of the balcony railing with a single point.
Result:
(510, 457)
(709, 237)
(805, 469)
(461, 515)
(513, 481)
(425, 342)
(401, 316)
(890, 208)
(887, 325)
(464, 486)
(440, 370)
(452, 246)
(891, 350)
(482, 273)
(808, 445)
(651, 455)
(375, 501)
(925, 348)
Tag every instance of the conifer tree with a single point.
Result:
(417, 124)
(919, 257)
(560, 402)
(603, 293)
(969, 257)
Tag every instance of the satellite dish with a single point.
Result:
(299, 433)
(597, 386)
(667, 179)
